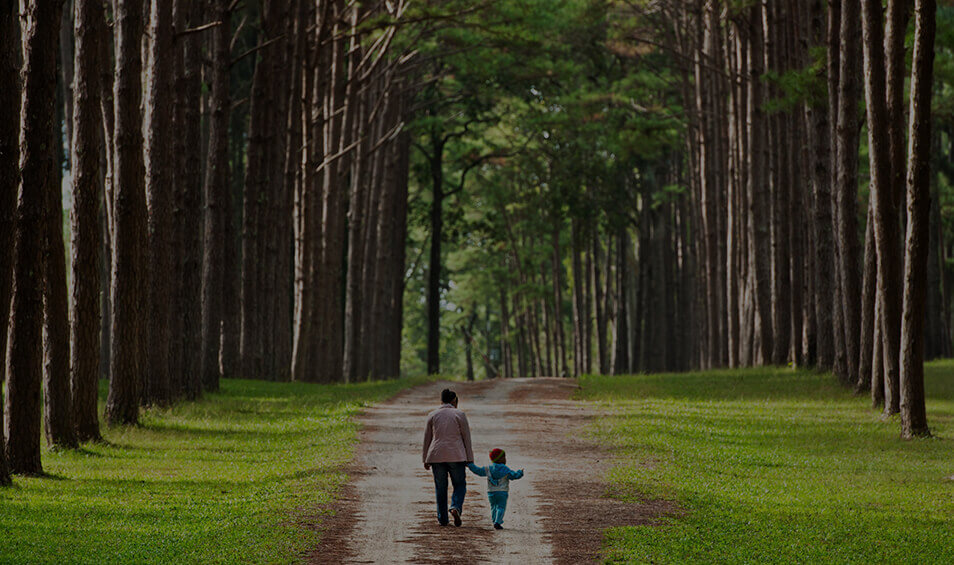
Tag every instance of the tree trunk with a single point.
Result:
(598, 303)
(937, 334)
(578, 307)
(621, 358)
(4, 468)
(877, 360)
(913, 414)
(734, 187)
(885, 216)
(896, 23)
(160, 188)
(86, 233)
(757, 190)
(308, 202)
(253, 211)
(434, 263)
(106, 200)
(273, 220)
(399, 237)
(189, 13)
(587, 302)
(57, 398)
(129, 267)
(65, 75)
(10, 50)
(838, 359)
(328, 311)
(357, 215)
(847, 183)
(868, 307)
(290, 162)
(468, 332)
(780, 198)
(505, 341)
(557, 276)
(38, 161)
(217, 188)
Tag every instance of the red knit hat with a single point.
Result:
(497, 455)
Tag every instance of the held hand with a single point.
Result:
(427, 466)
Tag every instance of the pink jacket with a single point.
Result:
(447, 437)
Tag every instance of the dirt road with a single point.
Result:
(556, 513)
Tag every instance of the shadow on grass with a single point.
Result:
(86, 452)
(42, 475)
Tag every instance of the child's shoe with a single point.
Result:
(498, 527)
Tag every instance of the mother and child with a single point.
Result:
(447, 452)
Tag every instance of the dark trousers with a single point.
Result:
(458, 479)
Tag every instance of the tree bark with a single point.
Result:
(434, 263)
(937, 334)
(188, 209)
(106, 162)
(757, 188)
(578, 307)
(9, 179)
(296, 28)
(877, 361)
(913, 414)
(598, 297)
(38, 162)
(273, 263)
(160, 188)
(399, 239)
(9, 156)
(254, 210)
(4, 468)
(358, 217)
(885, 214)
(308, 201)
(86, 233)
(838, 360)
(57, 398)
(328, 310)
(621, 359)
(847, 183)
(505, 340)
(216, 190)
(129, 266)
(868, 306)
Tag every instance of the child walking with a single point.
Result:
(498, 483)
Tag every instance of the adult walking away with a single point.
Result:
(447, 451)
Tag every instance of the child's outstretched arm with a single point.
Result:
(514, 475)
(479, 471)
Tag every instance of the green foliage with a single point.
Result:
(777, 466)
(240, 476)
(555, 118)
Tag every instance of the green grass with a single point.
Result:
(223, 480)
(777, 466)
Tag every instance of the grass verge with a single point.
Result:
(777, 466)
(222, 480)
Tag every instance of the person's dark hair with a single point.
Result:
(448, 396)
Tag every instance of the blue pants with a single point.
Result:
(458, 477)
(498, 505)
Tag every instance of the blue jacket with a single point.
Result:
(498, 476)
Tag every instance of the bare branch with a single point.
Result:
(197, 29)
(256, 49)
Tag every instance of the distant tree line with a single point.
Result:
(674, 185)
